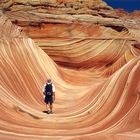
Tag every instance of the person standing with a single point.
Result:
(49, 95)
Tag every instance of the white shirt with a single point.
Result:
(53, 87)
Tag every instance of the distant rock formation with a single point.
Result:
(123, 13)
(92, 54)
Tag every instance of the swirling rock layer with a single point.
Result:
(96, 71)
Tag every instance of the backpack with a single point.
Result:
(48, 90)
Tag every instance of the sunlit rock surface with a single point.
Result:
(93, 60)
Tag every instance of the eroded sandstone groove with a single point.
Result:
(95, 67)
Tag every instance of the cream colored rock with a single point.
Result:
(95, 68)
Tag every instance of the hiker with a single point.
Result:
(49, 95)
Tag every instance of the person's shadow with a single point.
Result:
(45, 111)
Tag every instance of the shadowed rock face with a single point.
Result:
(93, 58)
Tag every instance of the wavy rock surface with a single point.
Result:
(96, 71)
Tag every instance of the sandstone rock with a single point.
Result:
(93, 57)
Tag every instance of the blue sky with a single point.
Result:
(127, 5)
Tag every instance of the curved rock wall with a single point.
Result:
(93, 59)
(98, 101)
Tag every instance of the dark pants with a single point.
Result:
(48, 100)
